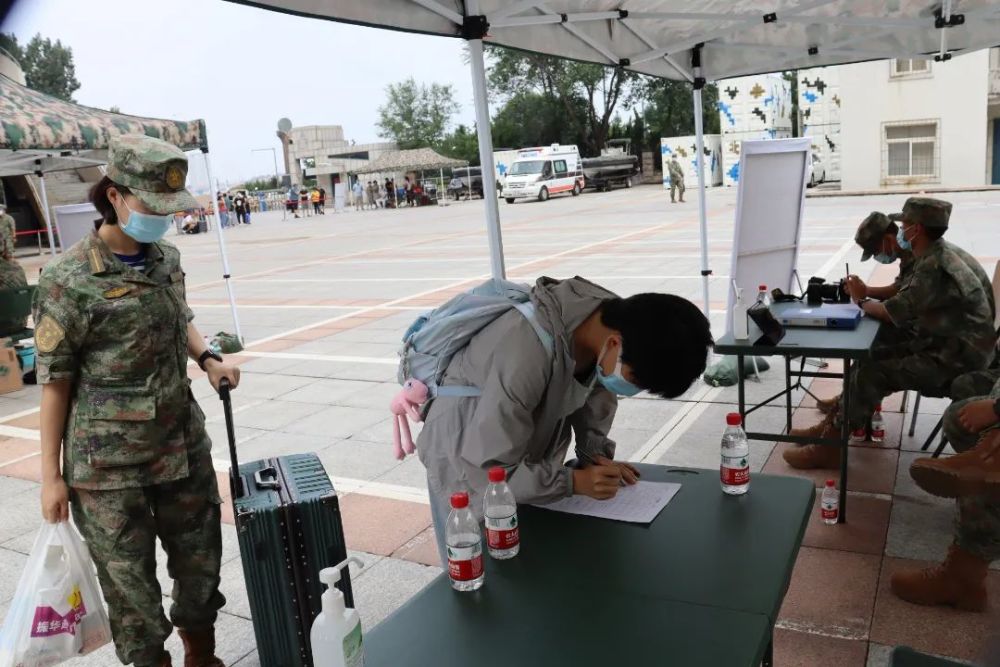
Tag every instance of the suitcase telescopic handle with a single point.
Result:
(272, 483)
(235, 481)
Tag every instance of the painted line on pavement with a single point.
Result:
(661, 441)
(18, 415)
(384, 361)
(18, 432)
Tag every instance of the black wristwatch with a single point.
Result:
(996, 407)
(205, 356)
(861, 302)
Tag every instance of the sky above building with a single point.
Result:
(238, 68)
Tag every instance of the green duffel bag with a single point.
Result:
(724, 372)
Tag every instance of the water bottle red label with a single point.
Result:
(878, 433)
(735, 471)
(503, 533)
(465, 563)
(829, 510)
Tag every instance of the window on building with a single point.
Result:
(911, 149)
(903, 67)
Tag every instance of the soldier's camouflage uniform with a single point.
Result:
(135, 452)
(676, 178)
(947, 301)
(977, 527)
(11, 273)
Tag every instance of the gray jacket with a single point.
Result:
(526, 397)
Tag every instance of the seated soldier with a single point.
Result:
(947, 301)
(973, 478)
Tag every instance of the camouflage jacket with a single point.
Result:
(12, 275)
(906, 261)
(948, 300)
(676, 173)
(120, 336)
(7, 230)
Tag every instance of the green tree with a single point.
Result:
(669, 111)
(416, 115)
(461, 144)
(261, 183)
(586, 94)
(48, 66)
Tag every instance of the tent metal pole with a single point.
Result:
(699, 133)
(46, 213)
(225, 258)
(486, 149)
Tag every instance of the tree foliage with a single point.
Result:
(48, 66)
(461, 144)
(416, 115)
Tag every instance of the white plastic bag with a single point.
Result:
(57, 612)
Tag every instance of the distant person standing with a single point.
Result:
(220, 203)
(304, 201)
(372, 191)
(292, 201)
(676, 179)
(240, 208)
(390, 192)
(314, 197)
(358, 191)
(11, 273)
(322, 201)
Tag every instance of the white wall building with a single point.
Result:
(915, 123)
(686, 150)
(323, 152)
(819, 115)
(751, 108)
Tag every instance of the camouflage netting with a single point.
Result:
(33, 120)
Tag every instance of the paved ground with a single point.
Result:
(323, 301)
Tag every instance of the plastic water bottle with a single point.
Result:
(763, 296)
(465, 545)
(829, 503)
(503, 537)
(878, 425)
(735, 469)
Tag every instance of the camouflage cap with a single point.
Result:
(931, 213)
(153, 170)
(870, 233)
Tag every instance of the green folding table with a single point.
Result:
(802, 342)
(700, 585)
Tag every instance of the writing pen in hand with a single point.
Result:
(587, 458)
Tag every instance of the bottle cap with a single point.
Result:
(460, 500)
(878, 408)
(734, 419)
(762, 288)
(830, 483)
(497, 474)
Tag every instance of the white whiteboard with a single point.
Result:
(769, 209)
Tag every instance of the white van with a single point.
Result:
(541, 172)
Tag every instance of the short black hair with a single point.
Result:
(893, 229)
(99, 198)
(665, 340)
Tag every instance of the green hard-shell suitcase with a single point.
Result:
(288, 521)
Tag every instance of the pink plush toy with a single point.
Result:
(413, 394)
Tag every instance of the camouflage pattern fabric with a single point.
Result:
(906, 263)
(153, 170)
(33, 120)
(12, 275)
(977, 528)
(7, 236)
(676, 178)
(120, 336)
(948, 300)
(121, 527)
(947, 303)
(227, 343)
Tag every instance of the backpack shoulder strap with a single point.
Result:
(528, 310)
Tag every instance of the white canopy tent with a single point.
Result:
(691, 40)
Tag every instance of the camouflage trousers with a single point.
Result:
(121, 527)
(977, 528)
(676, 187)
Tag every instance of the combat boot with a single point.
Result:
(199, 648)
(960, 581)
(829, 406)
(806, 457)
(974, 472)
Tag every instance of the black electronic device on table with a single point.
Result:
(770, 327)
(819, 291)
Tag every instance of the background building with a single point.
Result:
(321, 151)
(752, 108)
(819, 115)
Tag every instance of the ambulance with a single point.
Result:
(543, 171)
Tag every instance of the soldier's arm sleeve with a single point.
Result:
(61, 322)
(188, 313)
(924, 290)
(592, 422)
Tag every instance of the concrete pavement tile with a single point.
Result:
(234, 588)
(831, 593)
(421, 549)
(928, 405)
(644, 413)
(939, 630)
(410, 472)
(367, 560)
(879, 655)
(28, 467)
(699, 444)
(265, 364)
(277, 415)
(269, 385)
(336, 422)
(356, 371)
(389, 584)
(12, 565)
(864, 532)
(327, 392)
(375, 396)
(234, 640)
(870, 470)
(11, 406)
(925, 424)
(381, 525)
(801, 649)
(32, 421)
(21, 514)
(382, 432)
(252, 660)
(270, 444)
(10, 486)
(357, 460)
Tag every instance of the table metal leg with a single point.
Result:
(788, 394)
(845, 435)
(741, 377)
(769, 652)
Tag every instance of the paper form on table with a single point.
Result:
(638, 503)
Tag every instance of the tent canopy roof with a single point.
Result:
(33, 120)
(413, 159)
(658, 37)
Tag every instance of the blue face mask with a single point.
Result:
(884, 259)
(145, 227)
(616, 382)
(901, 240)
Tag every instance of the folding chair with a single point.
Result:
(15, 306)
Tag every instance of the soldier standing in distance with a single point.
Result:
(113, 337)
(11, 273)
(676, 179)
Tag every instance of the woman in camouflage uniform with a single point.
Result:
(113, 335)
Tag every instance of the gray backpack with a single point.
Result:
(435, 337)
